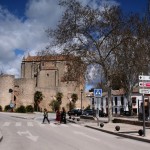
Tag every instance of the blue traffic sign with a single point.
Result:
(97, 92)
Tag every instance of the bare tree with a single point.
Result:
(91, 34)
(133, 55)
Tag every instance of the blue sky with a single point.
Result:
(23, 24)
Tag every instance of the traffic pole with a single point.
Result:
(143, 116)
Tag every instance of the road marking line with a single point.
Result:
(75, 125)
(6, 124)
(30, 124)
(85, 135)
(18, 124)
(28, 135)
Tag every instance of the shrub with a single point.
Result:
(55, 105)
(21, 109)
(7, 108)
(1, 108)
(29, 108)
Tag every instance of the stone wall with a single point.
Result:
(6, 83)
(40, 75)
(24, 91)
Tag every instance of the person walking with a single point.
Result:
(45, 116)
(63, 115)
(58, 116)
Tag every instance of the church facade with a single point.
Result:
(41, 73)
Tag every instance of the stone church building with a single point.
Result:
(41, 73)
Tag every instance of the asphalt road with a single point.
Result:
(29, 134)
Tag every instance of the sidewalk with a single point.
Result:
(126, 130)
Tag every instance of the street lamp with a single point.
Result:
(81, 99)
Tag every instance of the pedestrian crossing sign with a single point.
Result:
(97, 92)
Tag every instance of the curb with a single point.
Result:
(119, 134)
(1, 136)
(22, 117)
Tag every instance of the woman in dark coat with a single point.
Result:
(58, 116)
(63, 115)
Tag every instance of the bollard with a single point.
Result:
(69, 117)
(140, 132)
(73, 118)
(78, 119)
(101, 125)
(117, 128)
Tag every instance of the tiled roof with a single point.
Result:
(118, 92)
(47, 58)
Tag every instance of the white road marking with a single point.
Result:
(18, 124)
(75, 125)
(6, 124)
(29, 124)
(28, 135)
(85, 135)
(52, 124)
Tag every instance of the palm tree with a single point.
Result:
(59, 97)
(38, 97)
(74, 97)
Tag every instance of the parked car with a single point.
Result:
(75, 112)
(89, 112)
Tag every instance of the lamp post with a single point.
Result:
(81, 99)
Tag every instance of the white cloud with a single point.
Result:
(27, 35)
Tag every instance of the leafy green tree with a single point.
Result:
(38, 97)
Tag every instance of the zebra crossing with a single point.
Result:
(32, 124)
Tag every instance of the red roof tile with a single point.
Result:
(47, 58)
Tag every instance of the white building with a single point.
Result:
(119, 102)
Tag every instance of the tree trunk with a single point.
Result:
(130, 103)
(110, 117)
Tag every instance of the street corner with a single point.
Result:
(130, 133)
